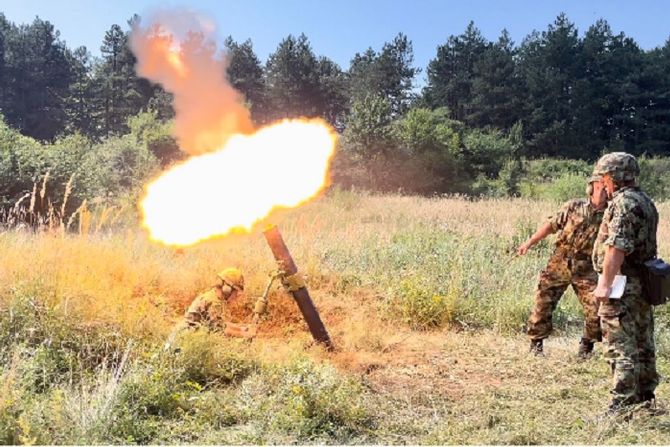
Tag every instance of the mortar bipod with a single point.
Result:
(261, 305)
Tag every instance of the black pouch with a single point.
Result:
(656, 281)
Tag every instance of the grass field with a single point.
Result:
(422, 297)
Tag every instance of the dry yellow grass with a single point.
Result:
(443, 386)
(123, 277)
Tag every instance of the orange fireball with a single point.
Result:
(282, 165)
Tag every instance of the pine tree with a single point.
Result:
(120, 93)
(451, 74)
(389, 74)
(36, 77)
(245, 73)
(551, 65)
(497, 87)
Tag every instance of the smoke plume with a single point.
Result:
(178, 49)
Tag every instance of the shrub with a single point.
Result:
(419, 306)
(120, 164)
(485, 151)
(54, 179)
(654, 178)
(57, 346)
(207, 359)
(547, 169)
(305, 402)
(369, 133)
(156, 135)
(566, 186)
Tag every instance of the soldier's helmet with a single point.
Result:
(233, 277)
(623, 167)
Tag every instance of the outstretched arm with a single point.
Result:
(541, 233)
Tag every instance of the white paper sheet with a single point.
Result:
(618, 286)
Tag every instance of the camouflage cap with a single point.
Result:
(233, 277)
(621, 166)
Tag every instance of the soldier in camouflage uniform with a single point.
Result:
(577, 222)
(209, 307)
(626, 239)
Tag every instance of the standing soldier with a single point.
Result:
(626, 239)
(209, 307)
(577, 222)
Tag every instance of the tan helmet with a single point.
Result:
(233, 277)
(623, 167)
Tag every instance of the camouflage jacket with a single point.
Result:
(577, 224)
(207, 309)
(629, 224)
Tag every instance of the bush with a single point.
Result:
(369, 133)
(547, 169)
(485, 151)
(654, 178)
(57, 345)
(120, 164)
(305, 402)
(23, 163)
(73, 169)
(432, 143)
(207, 359)
(156, 135)
(506, 185)
(420, 307)
(560, 189)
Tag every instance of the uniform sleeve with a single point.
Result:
(216, 311)
(560, 218)
(621, 230)
(196, 311)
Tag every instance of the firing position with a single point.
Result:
(577, 223)
(208, 309)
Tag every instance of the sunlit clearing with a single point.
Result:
(281, 165)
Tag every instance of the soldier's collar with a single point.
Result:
(592, 208)
(625, 188)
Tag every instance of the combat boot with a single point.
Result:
(613, 409)
(647, 399)
(585, 348)
(537, 347)
(621, 407)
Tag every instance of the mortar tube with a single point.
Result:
(301, 296)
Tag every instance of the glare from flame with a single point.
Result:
(282, 165)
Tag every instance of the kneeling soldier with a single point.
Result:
(209, 307)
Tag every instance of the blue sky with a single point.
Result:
(339, 29)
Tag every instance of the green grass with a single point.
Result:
(422, 297)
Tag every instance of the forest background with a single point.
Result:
(492, 119)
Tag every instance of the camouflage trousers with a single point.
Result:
(553, 282)
(628, 336)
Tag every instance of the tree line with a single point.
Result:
(485, 106)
